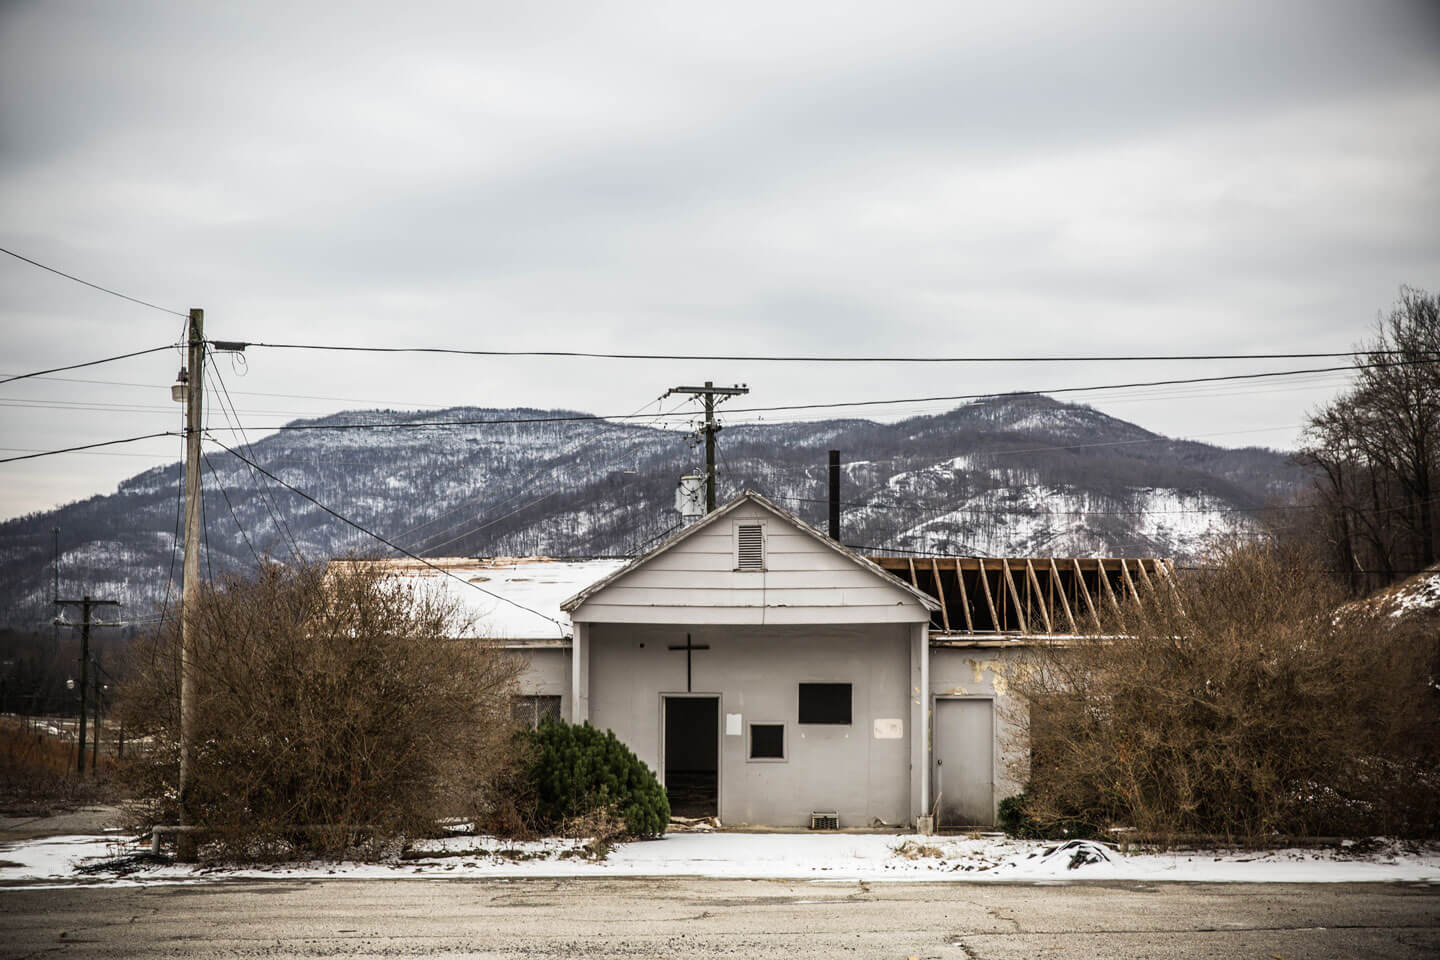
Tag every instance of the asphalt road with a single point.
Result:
(721, 918)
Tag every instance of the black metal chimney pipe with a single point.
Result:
(835, 495)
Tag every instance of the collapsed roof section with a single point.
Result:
(1027, 596)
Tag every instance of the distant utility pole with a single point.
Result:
(95, 742)
(709, 392)
(86, 605)
(190, 584)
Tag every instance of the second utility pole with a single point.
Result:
(86, 605)
(190, 585)
(709, 392)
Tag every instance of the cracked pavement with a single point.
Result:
(683, 917)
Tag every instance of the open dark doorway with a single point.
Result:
(692, 734)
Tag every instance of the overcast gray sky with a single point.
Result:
(901, 178)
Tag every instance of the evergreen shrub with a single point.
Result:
(1017, 821)
(577, 770)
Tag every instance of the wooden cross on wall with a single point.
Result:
(689, 649)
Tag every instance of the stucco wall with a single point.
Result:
(547, 672)
(756, 671)
(986, 672)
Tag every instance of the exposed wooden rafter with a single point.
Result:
(1049, 595)
(1064, 601)
(964, 597)
(1129, 583)
(1085, 592)
(1164, 570)
(1035, 585)
(1109, 590)
(989, 598)
(1145, 577)
(940, 594)
(1014, 595)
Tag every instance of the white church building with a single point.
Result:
(771, 676)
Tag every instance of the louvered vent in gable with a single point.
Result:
(749, 547)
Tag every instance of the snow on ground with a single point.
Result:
(1419, 594)
(61, 861)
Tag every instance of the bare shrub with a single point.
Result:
(1243, 706)
(37, 773)
(334, 710)
(603, 826)
(913, 850)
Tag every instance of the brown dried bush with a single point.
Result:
(1246, 704)
(602, 826)
(38, 777)
(334, 710)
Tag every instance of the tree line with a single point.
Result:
(1375, 452)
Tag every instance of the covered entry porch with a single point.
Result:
(765, 725)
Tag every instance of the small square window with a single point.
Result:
(767, 741)
(825, 703)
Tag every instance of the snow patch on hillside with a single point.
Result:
(1043, 520)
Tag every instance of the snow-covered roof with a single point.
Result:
(509, 598)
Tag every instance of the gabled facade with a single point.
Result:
(764, 671)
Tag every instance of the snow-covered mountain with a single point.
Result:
(1004, 476)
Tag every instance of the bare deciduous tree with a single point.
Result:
(334, 705)
(1377, 449)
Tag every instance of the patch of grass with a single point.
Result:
(913, 850)
(38, 777)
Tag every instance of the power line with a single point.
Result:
(277, 518)
(1014, 394)
(663, 533)
(95, 286)
(984, 511)
(233, 515)
(261, 393)
(174, 539)
(90, 446)
(757, 358)
(662, 421)
(523, 488)
(116, 406)
(87, 363)
(205, 535)
(393, 546)
(432, 547)
(1113, 386)
(1109, 400)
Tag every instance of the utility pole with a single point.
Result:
(835, 495)
(708, 393)
(190, 585)
(86, 605)
(95, 741)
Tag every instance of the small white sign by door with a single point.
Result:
(889, 729)
(733, 725)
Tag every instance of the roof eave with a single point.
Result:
(750, 496)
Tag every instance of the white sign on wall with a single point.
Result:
(733, 726)
(889, 729)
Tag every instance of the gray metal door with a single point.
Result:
(964, 774)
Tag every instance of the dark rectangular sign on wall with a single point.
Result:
(825, 703)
